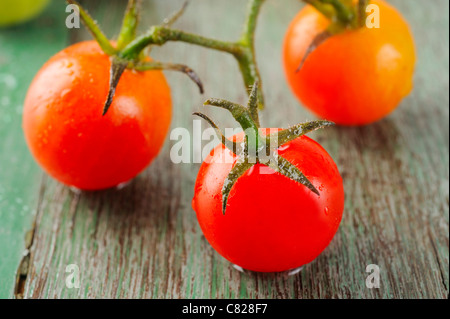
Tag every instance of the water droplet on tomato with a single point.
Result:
(326, 211)
(238, 268)
(283, 148)
(65, 92)
(295, 271)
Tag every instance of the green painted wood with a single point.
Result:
(144, 241)
(23, 50)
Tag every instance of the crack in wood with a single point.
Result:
(24, 265)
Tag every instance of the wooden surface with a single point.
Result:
(144, 241)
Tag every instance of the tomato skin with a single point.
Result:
(271, 223)
(13, 12)
(353, 78)
(66, 132)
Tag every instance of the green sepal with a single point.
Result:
(156, 65)
(271, 144)
(296, 131)
(168, 22)
(286, 168)
(236, 172)
(117, 68)
(231, 145)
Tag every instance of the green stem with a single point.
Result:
(344, 14)
(95, 30)
(160, 35)
(129, 25)
(168, 22)
(253, 104)
(248, 35)
(362, 5)
(254, 142)
(247, 62)
(323, 8)
(243, 50)
(130, 49)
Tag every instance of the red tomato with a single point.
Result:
(353, 78)
(66, 132)
(272, 223)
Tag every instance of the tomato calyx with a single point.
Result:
(343, 14)
(258, 148)
(135, 60)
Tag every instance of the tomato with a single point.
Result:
(66, 132)
(353, 78)
(272, 223)
(16, 11)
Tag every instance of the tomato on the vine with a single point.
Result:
(356, 76)
(270, 217)
(97, 113)
(65, 129)
(271, 223)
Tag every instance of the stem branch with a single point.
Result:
(243, 50)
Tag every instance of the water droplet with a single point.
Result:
(238, 268)
(65, 92)
(75, 190)
(295, 271)
(283, 148)
(326, 211)
(122, 185)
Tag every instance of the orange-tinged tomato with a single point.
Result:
(353, 78)
(66, 132)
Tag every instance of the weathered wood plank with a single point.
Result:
(144, 241)
(23, 50)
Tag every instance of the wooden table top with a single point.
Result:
(144, 241)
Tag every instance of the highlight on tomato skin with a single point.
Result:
(355, 77)
(271, 224)
(66, 132)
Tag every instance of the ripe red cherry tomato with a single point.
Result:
(272, 223)
(66, 132)
(353, 78)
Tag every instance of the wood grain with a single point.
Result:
(143, 241)
(23, 50)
